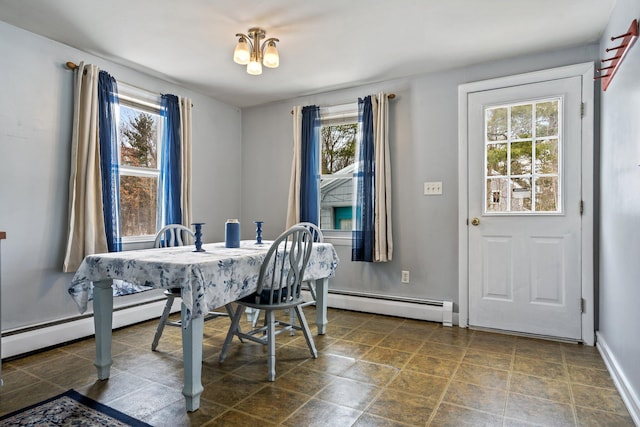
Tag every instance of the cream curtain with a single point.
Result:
(293, 208)
(86, 231)
(185, 158)
(383, 241)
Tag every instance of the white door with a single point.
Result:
(524, 203)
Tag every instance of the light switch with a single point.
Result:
(433, 188)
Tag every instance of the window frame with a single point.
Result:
(336, 115)
(532, 175)
(147, 102)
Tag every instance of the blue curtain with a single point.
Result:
(363, 238)
(170, 169)
(108, 136)
(310, 174)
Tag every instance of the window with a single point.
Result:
(139, 140)
(338, 136)
(522, 157)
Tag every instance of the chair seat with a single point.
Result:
(175, 292)
(255, 300)
(252, 302)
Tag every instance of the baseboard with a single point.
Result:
(627, 393)
(441, 312)
(47, 336)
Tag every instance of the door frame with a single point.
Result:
(586, 71)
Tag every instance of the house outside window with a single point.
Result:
(139, 150)
(338, 136)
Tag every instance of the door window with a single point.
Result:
(522, 157)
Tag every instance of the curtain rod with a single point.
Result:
(73, 66)
(390, 96)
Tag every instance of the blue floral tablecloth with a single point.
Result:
(209, 279)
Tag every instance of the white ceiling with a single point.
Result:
(324, 45)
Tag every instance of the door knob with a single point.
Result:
(475, 221)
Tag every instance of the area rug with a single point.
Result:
(69, 409)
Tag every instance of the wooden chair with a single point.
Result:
(279, 285)
(308, 286)
(169, 236)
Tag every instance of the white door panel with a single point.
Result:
(497, 269)
(525, 190)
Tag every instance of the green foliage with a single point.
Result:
(497, 159)
(338, 147)
(139, 141)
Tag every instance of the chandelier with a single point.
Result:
(251, 53)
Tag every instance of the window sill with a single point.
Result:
(337, 238)
(137, 242)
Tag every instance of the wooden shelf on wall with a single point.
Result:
(620, 51)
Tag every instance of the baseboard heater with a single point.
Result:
(412, 308)
(26, 340)
(37, 337)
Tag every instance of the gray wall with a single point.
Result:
(249, 154)
(620, 204)
(424, 147)
(36, 112)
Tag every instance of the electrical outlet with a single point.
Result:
(431, 188)
(405, 276)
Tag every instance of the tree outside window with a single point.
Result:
(139, 132)
(339, 146)
(522, 157)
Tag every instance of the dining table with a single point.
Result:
(211, 278)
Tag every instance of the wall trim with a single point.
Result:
(33, 339)
(48, 335)
(629, 397)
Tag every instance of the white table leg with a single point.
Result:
(322, 297)
(103, 320)
(192, 356)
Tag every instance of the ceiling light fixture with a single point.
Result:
(251, 53)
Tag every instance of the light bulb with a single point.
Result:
(271, 58)
(254, 68)
(241, 54)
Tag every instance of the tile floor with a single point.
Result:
(371, 371)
